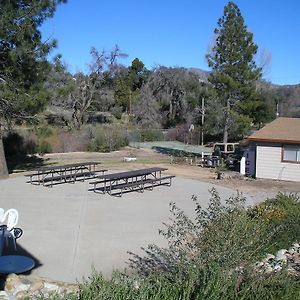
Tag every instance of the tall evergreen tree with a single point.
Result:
(23, 60)
(128, 87)
(234, 72)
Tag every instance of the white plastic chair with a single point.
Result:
(12, 217)
(1, 214)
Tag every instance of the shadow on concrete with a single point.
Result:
(10, 250)
(21, 163)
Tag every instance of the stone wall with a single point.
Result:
(20, 287)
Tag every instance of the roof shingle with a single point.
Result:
(280, 130)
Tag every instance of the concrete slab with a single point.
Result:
(68, 229)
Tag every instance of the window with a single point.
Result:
(230, 148)
(291, 153)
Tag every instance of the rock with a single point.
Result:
(4, 295)
(296, 258)
(128, 159)
(11, 283)
(259, 265)
(21, 295)
(269, 257)
(36, 286)
(291, 250)
(284, 258)
(281, 252)
(292, 271)
(268, 269)
(136, 285)
(51, 287)
(277, 268)
(281, 255)
(25, 280)
(21, 288)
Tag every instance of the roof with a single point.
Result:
(280, 130)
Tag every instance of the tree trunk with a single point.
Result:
(225, 134)
(226, 125)
(3, 166)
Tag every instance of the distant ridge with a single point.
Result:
(202, 74)
(287, 96)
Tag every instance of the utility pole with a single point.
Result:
(202, 122)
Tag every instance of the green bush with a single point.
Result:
(209, 283)
(44, 147)
(44, 132)
(221, 234)
(281, 214)
(151, 135)
(108, 139)
(116, 111)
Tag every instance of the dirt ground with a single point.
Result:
(146, 157)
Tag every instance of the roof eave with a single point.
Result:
(268, 140)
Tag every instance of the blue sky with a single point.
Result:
(174, 33)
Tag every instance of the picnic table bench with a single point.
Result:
(50, 175)
(137, 180)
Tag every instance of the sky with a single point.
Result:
(174, 33)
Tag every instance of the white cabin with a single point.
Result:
(277, 150)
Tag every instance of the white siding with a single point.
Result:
(269, 164)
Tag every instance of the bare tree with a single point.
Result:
(168, 89)
(146, 110)
(103, 69)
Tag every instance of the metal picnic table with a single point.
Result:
(131, 180)
(63, 173)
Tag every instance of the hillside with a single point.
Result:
(289, 100)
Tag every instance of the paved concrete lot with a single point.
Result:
(68, 229)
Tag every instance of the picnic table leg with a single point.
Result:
(39, 180)
(43, 178)
(73, 176)
(110, 187)
(104, 190)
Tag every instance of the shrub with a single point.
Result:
(69, 141)
(44, 132)
(44, 147)
(283, 214)
(210, 283)
(222, 234)
(108, 139)
(151, 135)
(116, 111)
(99, 143)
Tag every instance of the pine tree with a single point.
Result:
(234, 72)
(23, 60)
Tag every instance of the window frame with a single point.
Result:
(297, 155)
